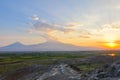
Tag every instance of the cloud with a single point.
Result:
(84, 36)
(112, 26)
(62, 32)
(40, 26)
(75, 30)
(117, 41)
(106, 33)
(58, 31)
(49, 30)
(67, 31)
(30, 31)
(35, 17)
(45, 27)
(104, 42)
(74, 25)
(115, 25)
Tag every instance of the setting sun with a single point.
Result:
(112, 44)
(111, 41)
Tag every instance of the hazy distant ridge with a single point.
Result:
(47, 46)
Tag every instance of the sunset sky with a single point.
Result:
(78, 22)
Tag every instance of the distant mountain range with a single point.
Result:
(47, 46)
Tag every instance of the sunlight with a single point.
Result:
(112, 54)
(111, 44)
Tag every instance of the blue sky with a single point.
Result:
(67, 21)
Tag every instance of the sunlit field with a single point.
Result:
(85, 61)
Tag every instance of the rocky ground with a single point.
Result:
(107, 72)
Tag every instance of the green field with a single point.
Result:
(14, 60)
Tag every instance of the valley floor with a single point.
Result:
(60, 66)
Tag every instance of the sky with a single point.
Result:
(77, 22)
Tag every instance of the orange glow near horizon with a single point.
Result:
(112, 54)
(111, 45)
(110, 42)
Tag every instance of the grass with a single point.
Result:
(12, 61)
(89, 67)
